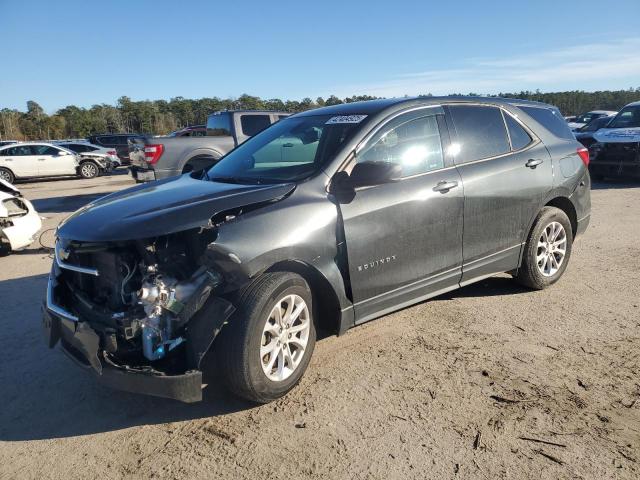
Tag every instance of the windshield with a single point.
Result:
(290, 150)
(629, 117)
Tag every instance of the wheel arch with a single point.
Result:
(325, 300)
(566, 205)
(198, 155)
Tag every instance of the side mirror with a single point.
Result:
(367, 174)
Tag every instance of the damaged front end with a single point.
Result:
(141, 314)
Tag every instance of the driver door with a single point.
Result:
(404, 238)
(53, 161)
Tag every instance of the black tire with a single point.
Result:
(196, 164)
(529, 273)
(238, 346)
(7, 175)
(89, 169)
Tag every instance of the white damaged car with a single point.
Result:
(19, 221)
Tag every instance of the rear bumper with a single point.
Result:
(82, 344)
(583, 223)
(148, 174)
(142, 174)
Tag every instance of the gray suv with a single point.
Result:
(325, 220)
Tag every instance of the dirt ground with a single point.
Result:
(491, 381)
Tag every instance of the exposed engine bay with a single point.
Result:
(138, 296)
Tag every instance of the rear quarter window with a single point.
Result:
(550, 119)
(518, 135)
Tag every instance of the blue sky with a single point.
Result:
(59, 52)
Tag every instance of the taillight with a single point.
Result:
(584, 155)
(152, 153)
(112, 152)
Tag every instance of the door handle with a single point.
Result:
(287, 145)
(8, 160)
(444, 186)
(533, 163)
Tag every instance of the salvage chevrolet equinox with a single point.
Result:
(325, 220)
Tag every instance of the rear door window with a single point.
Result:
(518, 135)
(551, 119)
(481, 132)
(19, 151)
(252, 124)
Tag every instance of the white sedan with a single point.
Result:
(19, 221)
(26, 160)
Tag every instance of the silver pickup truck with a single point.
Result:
(155, 158)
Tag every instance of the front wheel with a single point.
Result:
(89, 170)
(267, 346)
(547, 250)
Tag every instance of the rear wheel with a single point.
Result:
(267, 346)
(7, 175)
(89, 170)
(547, 250)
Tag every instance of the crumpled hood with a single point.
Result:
(162, 207)
(617, 135)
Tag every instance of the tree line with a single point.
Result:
(161, 116)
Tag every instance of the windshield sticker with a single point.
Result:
(346, 119)
(618, 135)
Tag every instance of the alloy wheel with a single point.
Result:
(284, 338)
(89, 170)
(6, 176)
(552, 248)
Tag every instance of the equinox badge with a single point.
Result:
(376, 263)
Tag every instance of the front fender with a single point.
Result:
(291, 230)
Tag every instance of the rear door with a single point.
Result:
(404, 238)
(20, 160)
(506, 172)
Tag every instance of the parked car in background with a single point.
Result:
(19, 221)
(585, 134)
(7, 142)
(616, 151)
(28, 160)
(381, 205)
(104, 158)
(158, 158)
(192, 131)
(116, 141)
(583, 119)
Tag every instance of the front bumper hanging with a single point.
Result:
(82, 344)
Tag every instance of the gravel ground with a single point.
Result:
(490, 381)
